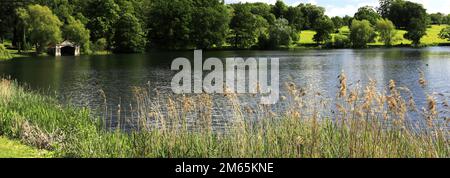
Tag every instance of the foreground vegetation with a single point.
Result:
(364, 122)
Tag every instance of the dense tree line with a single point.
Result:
(135, 25)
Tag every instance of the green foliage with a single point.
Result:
(338, 22)
(361, 33)
(386, 30)
(4, 54)
(102, 15)
(170, 24)
(76, 132)
(341, 41)
(129, 37)
(264, 10)
(367, 13)
(437, 18)
(76, 32)
(246, 27)
(210, 24)
(187, 23)
(279, 34)
(42, 25)
(280, 9)
(445, 33)
(311, 14)
(324, 27)
(347, 20)
(384, 8)
(100, 45)
(295, 17)
(416, 30)
(402, 13)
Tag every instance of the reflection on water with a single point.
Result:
(79, 79)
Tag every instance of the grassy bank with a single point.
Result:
(365, 123)
(15, 149)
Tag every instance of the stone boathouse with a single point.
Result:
(66, 48)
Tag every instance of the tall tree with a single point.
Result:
(169, 24)
(417, 28)
(280, 9)
(367, 13)
(295, 18)
(437, 18)
(76, 32)
(384, 8)
(246, 27)
(387, 31)
(129, 37)
(280, 33)
(409, 16)
(264, 10)
(361, 33)
(311, 14)
(338, 22)
(42, 25)
(347, 20)
(323, 28)
(102, 15)
(209, 23)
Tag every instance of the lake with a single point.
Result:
(78, 80)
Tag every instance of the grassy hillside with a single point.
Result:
(432, 37)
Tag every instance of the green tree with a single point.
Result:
(367, 13)
(169, 24)
(280, 9)
(246, 27)
(295, 17)
(209, 23)
(417, 28)
(347, 20)
(76, 32)
(447, 19)
(280, 33)
(341, 41)
(100, 45)
(311, 14)
(129, 37)
(263, 10)
(386, 30)
(42, 25)
(338, 22)
(445, 33)
(102, 15)
(384, 8)
(323, 28)
(437, 18)
(361, 33)
(409, 16)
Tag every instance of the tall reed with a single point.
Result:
(360, 122)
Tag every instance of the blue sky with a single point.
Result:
(349, 7)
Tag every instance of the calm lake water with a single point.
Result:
(79, 79)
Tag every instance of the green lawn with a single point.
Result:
(14, 149)
(432, 37)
